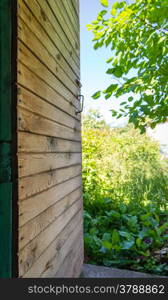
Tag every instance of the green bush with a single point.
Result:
(125, 199)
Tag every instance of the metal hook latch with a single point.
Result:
(80, 97)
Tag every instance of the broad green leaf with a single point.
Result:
(115, 237)
(96, 95)
(111, 88)
(107, 244)
(104, 3)
(113, 11)
(126, 245)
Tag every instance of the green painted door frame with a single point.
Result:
(6, 137)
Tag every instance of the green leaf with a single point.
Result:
(96, 95)
(108, 96)
(104, 3)
(130, 99)
(117, 71)
(113, 11)
(114, 214)
(103, 12)
(107, 244)
(125, 234)
(111, 88)
(109, 60)
(115, 237)
(138, 242)
(126, 245)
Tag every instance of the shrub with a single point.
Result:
(125, 199)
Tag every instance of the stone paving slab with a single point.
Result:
(92, 271)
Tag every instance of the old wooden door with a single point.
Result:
(48, 208)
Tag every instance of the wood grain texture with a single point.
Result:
(35, 65)
(33, 123)
(28, 38)
(35, 205)
(35, 184)
(57, 252)
(49, 139)
(26, 15)
(40, 107)
(35, 256)
(44, 21)
(63, 21)
(36, 225)
(30, 164)
(28, 142)
(73, 262)
(59, 29)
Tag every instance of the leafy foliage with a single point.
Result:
(125, 198)
(138, 36)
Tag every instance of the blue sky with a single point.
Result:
(93, 64)
(93, 71)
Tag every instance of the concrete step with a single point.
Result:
(92, 271)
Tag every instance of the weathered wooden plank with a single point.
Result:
(74, 21)
(68, 43)
(39, 32)
(75, 4)
(32, 163)
(32, 185)
(52, 258)
(41, 89)
(42, 18)
(49, 139)
(60, 27)
(63, 21)
(33, 63)
(31, 255)
(35, 205)
(27, 36)
(72, 9)
(31, 143)
(56, 262)
(30, 122)
(36, 225)
(68, 20)
(37, 105)
(73, 262)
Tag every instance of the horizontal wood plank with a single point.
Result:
(35, 184)
(39, 106)
(64, 22)
(26, 15)
(36, 225)
(74, 20)
(30, 257)
(72, 265)
(40, 88)
(27, 36)
(30, 164)
(34, 64)
(51, 260)
(60, 28)
(32, 143)
(35, 205)
(42, 18)
(33, 123)
(55, 264)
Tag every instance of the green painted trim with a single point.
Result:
(5, 140)
(5, 70)
(5, 230)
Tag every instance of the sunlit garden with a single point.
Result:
(125, 198)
